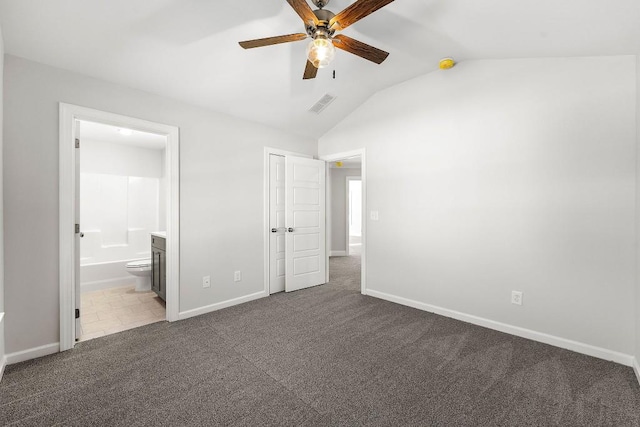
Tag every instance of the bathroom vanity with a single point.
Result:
(159, 264)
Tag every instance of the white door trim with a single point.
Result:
(341, 156)
(68, 115)
(348, 210)
(265, 196)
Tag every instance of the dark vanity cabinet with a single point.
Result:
(159, 266)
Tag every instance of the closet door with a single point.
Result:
(305, 222)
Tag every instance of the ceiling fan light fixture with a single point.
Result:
(321, 51)
(321, 25)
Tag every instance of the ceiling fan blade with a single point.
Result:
(356, 12)
(310, 71)
(302, 8)
(363, 50)
(249, 44)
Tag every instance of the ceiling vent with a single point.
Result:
(323, 103)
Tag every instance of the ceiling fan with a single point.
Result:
(321, 25)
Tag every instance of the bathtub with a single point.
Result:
(105, 275)
(104, 266)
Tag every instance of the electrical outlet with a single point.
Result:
(237, 276)
(516, 297)
(374, 216)
(206, 282)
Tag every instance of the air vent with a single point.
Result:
(322, 104)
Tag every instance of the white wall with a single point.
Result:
(338, 178)
(2, 318)
(118, 159)
(119, 201)
(504, 175)
(162, 213)
(221, 199)
(637, 319)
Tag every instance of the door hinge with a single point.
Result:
(77, 313)
(77, 228)
(77, 143)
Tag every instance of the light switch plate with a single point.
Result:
(206, 282)
(374, 216)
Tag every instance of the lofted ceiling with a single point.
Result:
(188, 49)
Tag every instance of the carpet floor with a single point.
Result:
(322, 356)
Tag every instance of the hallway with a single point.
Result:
(344, 273)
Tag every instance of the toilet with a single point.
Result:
(142, 270)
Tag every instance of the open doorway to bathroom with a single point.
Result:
(345, 204)
(123, 221)
(70, 222)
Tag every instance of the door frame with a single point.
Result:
(67, 198)
(348, 179)
(268, 151)
(363, 172)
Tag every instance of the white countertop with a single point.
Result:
(162, 234)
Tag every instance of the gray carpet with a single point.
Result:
(322, 356)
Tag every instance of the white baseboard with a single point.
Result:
(100, 285)
(636, 369)
(220, 305)
(32, 353)
(578, 347)
(338, 253)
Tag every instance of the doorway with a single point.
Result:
(122, 217)
(346, 208)
(115, 236)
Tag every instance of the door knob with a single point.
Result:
(274, 230)
(290, 230)
(81, 234)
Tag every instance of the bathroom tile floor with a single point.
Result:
(118, 309)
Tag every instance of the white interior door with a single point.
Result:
(76, 262)
(305, 219)
(277, 229)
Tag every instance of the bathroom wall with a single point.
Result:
(119, 200)
(338, 179)
(162, 212)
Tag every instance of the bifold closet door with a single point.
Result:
(305, 222)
